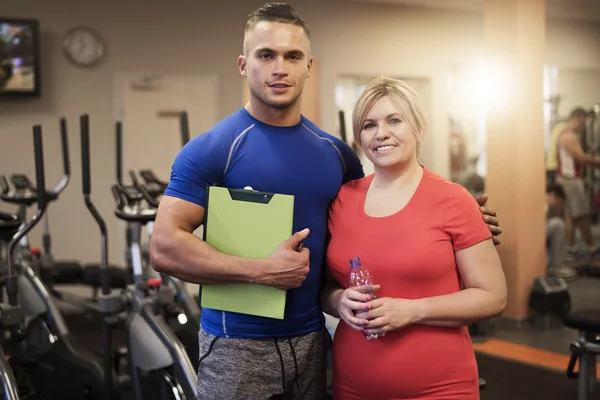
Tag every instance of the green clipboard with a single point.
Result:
(248, 224)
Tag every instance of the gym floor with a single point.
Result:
(585, 294)
(529, 361)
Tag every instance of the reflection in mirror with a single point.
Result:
(471, 90)
(467, 86)
(572, 99)
(565, 90)
(347, 91)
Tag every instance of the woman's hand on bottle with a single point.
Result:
(354, 301)
(388, 314)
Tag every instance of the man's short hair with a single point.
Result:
(276, 12)
(556, 189)
(579, 112)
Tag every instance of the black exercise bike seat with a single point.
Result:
(119, 278)
(143, 216)
(588, 320)
(24, 193)
(9, 225)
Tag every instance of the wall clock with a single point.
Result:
(83, 47)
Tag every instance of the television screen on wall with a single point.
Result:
(19, 58)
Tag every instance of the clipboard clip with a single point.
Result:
(300, 245)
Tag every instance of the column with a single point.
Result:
(515, 182)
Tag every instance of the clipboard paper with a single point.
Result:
(248, 224)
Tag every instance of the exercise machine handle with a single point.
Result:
(85, 155)
(118, 196)
(65, 146)
(64, 139)
(147, 196)
(12, 287)
(40, 176)
(3, 184)
(119, 144)
(87, 191)
(342, 121)
(184, 126)
(150, 178)
(105, 300)
(575, 353)
(25, 193)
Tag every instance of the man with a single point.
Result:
(269, 146)
(556, 233)
(551, 160)
(571, 160)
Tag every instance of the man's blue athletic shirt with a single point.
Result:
(301, 160)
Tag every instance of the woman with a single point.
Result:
(424, 240)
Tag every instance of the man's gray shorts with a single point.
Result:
(260, 369)
(577, 201)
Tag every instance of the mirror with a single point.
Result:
(467, 91)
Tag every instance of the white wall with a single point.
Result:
(577, 88)
(184, 37)
(574, 47)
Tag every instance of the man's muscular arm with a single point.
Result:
(176, 251)
(570, 142)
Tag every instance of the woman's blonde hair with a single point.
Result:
(403, 96)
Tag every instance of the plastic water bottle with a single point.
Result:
(359, 275)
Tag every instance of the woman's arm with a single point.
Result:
(483, 297)
(478, 264)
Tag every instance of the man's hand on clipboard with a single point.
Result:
(290, 263)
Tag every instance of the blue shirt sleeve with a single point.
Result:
(199, 164)
(354, 169)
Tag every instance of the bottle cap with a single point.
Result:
(154, 282)
(355, 262)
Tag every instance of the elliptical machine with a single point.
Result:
(179, 308)
(24, 196)
(51, 271)
(152, 345)
(9, 314)
(12, 229)
(39, 333)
